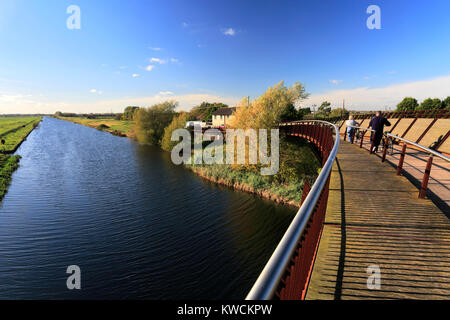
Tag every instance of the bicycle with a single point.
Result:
(388, 143)
(358, 134)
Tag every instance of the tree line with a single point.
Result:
(411, 104)
(154, 125)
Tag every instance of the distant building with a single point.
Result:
(195, 123)
(222, 116)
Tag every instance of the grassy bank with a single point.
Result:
(13, 131)
(297, 163)
(8, 164)
(117, 127)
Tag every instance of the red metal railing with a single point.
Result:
(406, 143)
(288, 271)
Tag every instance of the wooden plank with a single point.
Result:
(375, 218)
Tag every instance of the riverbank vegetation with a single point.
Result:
(154, 125)
(13, 131)
(8, 164)
(298, 163)
(297, 159)
(151, 122)
(178, 122)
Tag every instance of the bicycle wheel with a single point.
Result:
(390, 149)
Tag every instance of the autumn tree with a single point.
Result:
(267, 110)
(178, 122)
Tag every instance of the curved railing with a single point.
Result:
(406, 142)
(287, 273)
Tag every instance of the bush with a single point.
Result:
(151, 122)
(102, 127)
(129, 113)
(178, 122)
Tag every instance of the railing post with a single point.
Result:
(345, 134)
(400, 162)
(371, 145)
(306, 188)
(384, 149)
(426, 177)
(362, 139)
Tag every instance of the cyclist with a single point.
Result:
(377, 123)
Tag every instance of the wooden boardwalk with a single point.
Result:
(375, 218)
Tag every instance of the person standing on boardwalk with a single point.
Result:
(351, 124)
(377, 123)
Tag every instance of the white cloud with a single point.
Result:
(135, 75)
(229, 32)
(99, 92)
(392, 72)
(157, 60)
(185, 25)
(21, 104)
(122, 67)
(336, 81)
(155, 48)
(367, 98)
(149, 68)
(173, 60)
(165, 93)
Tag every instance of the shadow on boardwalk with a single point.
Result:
(375, 218)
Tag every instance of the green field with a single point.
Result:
(13, 130)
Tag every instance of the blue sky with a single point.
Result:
(142, 52)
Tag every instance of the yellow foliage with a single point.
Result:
(178, 122)
(265, 111)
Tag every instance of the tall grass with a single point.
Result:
(297, 163)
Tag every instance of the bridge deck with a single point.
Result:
(375, 218)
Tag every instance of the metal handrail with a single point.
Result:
(427, 150)
(361, 128)
(269, 279)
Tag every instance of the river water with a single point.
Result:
(138, 226)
